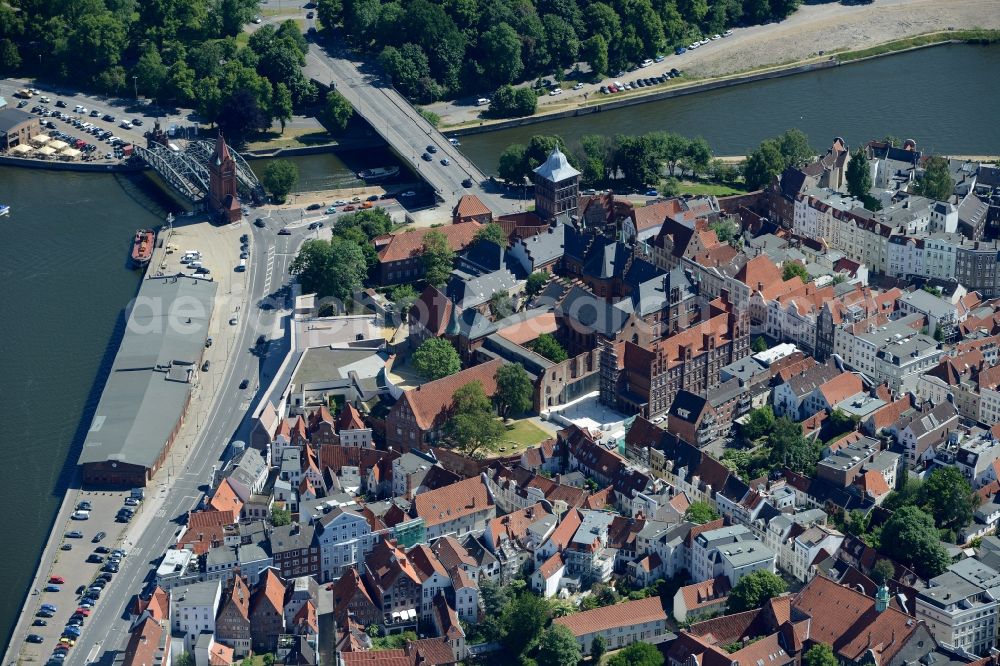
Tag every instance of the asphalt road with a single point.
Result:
(406, 131)
(105, 631)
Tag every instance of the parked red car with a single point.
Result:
(57, 580)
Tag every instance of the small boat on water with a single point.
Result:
(4, 210)
(142, 247)
(378, 173)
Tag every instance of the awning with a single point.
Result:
(70, 153)
(47, 151)
(58, 145)
(40, 139)
(21, 149)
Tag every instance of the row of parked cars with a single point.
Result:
(644, 82)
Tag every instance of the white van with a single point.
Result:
(243, 265)
(195, 264)
(482, 101)
(81, 515)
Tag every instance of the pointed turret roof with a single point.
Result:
(221, 150)
(557, 168)
(453, 324)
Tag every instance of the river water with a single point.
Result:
(63, 250)
(944, 97)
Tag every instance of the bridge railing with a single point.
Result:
(181, 172)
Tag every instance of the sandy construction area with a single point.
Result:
(825, 27)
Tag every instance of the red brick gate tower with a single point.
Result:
(222, 198)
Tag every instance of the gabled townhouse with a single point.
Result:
(400, 255)
(448, 626)
(587, 555)
(514, 537)
(394, 585)
(351, 599)
(608, 468)
(801, 393)
(232, 625)
(267, 613)
(518, 488)
(344, 537)
(408, 472)
(465, 591)
(460, 508)
(248, 475)
(148, 643)
(560, 537)
(546, 580)
(709, 597)
(920, 431)
(434, 579)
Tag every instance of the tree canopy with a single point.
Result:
(700, 513)
(910, 537)
(937, 182)
(754, 589)
(775, 155)
(514, 390)
(793, 269)
(437, 258)
(549, 347)
(473, 426)
(637, 654)
(820, 654)
(330, 268)
(859, 174)
(436, 358)
(337, 112)
(492, 232)
(558, 647)
(279, 178)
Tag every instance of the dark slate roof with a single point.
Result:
(592, 312)
(12, 117)
(467, 291)
(688, 406)
(485, 255)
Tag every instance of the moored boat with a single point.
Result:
(4, 210)
(378, 173)
(142, 247)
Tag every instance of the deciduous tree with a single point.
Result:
(859, 174)
(549, 347)
(754, 589)
(514, 390)
(911, 538)
(820, 654)
(437, 258)
(337, 112)
(937, 182)
(700, 513)
(279, 178)
(436, 358)
(637, 654)
(558, 647)
(334, 268)
(492, 232)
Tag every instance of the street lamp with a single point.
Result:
(135, 85)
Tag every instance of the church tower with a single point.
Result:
(557, 188)
(223, 201)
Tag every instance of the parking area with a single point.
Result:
(84, 550)
(88, 130)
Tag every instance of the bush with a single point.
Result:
(511, 102)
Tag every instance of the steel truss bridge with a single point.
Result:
(187, 173)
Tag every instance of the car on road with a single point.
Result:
(314, 206)
(103, 550)
(339, 202)
(258, 223)
(652, 193)
(349, 207)
(61, 104)
(39, 623)
(373, 197)
(715, 37)
(467, 182)
(98, 537)
(75, 534)
(137, 122)
(57, 580)
(408, 193)
(445, 161)
(47, 614)
(432, 149)
(284, 232)
(426, 157)
(727, 33)
(110, 567)
(23, 103)
(310, 15)
(680, 50)
(331, 210)
(578, 86)
(35, 638)
(81, 515)
(52, 588)
(107, 117)
(257, 20)
(94, 558)
(245, 383)
(66, 546)
(555, 91)
(313, 225)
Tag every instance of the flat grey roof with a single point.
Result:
(146, 390)
(10, 118)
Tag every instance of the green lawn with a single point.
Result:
(523, 435)
(698, 188)
(292, 138)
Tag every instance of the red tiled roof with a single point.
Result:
(350, 419)
(143, 644)
(551, 566)
(220, 655)
(411, 243)
(530, 329)
(514, 526)
(430, 401)
(471, 206)
(843, 386)
(566, 528)
(873, 484)
(425, 562)
(847, 620)
(203, 529)
(705, 592)
(306, 617)
(452, 502)
(432, 310)
(226, 499)
(270, 590)
(610, 617)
